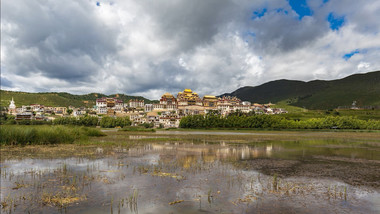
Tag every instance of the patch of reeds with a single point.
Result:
(61, 199)
(92, 132)
(41, 135)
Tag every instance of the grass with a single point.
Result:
(92, 132)
(359, 114)
(60, 199)
(289, 108)
(299, 113)
(42, 135)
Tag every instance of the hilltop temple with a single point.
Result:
(168, 99)
(188, 98)
(210, 101)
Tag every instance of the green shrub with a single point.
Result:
(93, 132)
(78, 121)
(111, 122)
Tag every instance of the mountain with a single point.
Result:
(59, 98)
(317, 94)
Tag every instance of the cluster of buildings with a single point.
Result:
(34, 111)
(167, 113)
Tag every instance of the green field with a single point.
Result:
(304, 114)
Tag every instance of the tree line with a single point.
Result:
(105, 122)
(276, 122)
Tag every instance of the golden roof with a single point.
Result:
(210, 96)
(167, 94)
(187, 90)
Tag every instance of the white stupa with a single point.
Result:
(12, 107)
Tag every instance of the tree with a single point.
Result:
(69, 111)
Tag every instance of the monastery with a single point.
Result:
(167, 113)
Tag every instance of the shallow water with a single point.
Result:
(201, 175)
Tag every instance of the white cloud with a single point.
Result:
(150, 47)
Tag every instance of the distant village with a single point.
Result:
(167, 113)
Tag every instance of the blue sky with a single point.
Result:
(349, 55)
(301, 8)
(335, 22)
(143, 47)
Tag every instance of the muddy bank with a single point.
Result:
(356, 172)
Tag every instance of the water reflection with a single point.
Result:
(212, 151)
(203, 176)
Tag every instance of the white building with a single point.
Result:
(136, 103)
(224, 108)
(148, 107)
(78, 112)
(242, 108)
(246, 103)
(104, 104)
(170, 122)
(12, 107)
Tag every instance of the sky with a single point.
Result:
(147, 48)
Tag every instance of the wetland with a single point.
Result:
(195, 172)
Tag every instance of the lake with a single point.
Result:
(196, 172)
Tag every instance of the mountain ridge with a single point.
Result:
(364, 88)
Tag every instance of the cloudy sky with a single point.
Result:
(146, 47)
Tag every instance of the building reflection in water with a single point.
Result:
(188, 154)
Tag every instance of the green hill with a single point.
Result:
(317, 94)
(59, 98)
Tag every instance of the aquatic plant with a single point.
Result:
(31, 135)
(275, 182)
(345, 193)
(176, 202)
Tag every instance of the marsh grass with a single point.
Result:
(275, 182)
(42, 135)
(92, 132)
(61, 199)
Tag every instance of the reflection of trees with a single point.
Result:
(187, 155)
